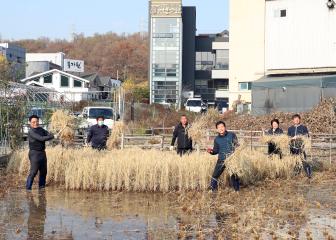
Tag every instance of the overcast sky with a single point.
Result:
(21, 19)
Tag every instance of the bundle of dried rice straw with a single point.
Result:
(113, 142)
(200, 126)
(283, 142)
(62, 122)
(252, 166)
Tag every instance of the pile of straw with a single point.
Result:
(253, 165)
(201, 124)
(62, 122)
(122, 170)
(114, 141)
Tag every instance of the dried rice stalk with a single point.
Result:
(200, 126)
(252, 166)
(281, 141)
(114, 141)
(64, 122)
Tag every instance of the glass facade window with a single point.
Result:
(244, 86)
(222, 59)
(204, 61)
(165, 54)
(64, 81)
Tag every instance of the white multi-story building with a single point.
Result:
(247, 47)
(300, 36)
(274, 38)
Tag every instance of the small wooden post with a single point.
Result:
(122, 141)
(162, 142)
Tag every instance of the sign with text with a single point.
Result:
(173, 9)
(71, 65)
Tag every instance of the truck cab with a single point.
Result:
(90, 114)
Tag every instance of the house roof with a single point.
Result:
(322, 80)
(105, 81)
(53, 71)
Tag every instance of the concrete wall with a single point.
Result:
(304, 38)
(247, 28)
(56, 58)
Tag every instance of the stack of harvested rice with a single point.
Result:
(121, 170)
(62, 122)
(253, 165)
(113, 142)
(201, 124)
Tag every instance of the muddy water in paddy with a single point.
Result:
(59, 214)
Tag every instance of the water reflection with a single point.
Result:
(37, 215)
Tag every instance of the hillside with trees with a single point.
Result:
(102, 53)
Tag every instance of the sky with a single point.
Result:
(22, 19)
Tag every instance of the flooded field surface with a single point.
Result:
(276, 210)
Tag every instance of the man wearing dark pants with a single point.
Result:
(184, 142)
(224, 145)
(296, 144)
(37, 137)
(98, 134)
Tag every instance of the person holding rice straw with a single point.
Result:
(274, 131)
(224, 145)
(296, 132)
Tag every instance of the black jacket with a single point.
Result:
(183, 140)
(98, 136)
(277, 131)
(37, 138)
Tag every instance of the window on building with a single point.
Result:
(47, 79)
(283, 13)
(222, 59)
(64, 81)
(204, 61)
(77, 83)
(244, 86)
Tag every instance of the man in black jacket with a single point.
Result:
(98, 134)
(184, 142)
(37, 137)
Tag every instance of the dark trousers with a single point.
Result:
(38, 163)
(219, 169)
(99, 148)
(306, 166)
(183, 151)
(273, 149)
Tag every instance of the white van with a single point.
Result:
(90, 115)
(195, 105)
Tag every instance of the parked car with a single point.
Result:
(196, 105)
(89, 116)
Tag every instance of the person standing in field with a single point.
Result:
(37, 137)
(275, 130)
(296, 131)
(98, 134)
(224, 145)
(184, 142)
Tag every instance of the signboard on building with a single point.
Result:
(71, 65)
(171, 8)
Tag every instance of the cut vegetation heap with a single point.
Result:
(63, 123)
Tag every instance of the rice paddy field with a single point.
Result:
(154, 194)
(150, 194)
